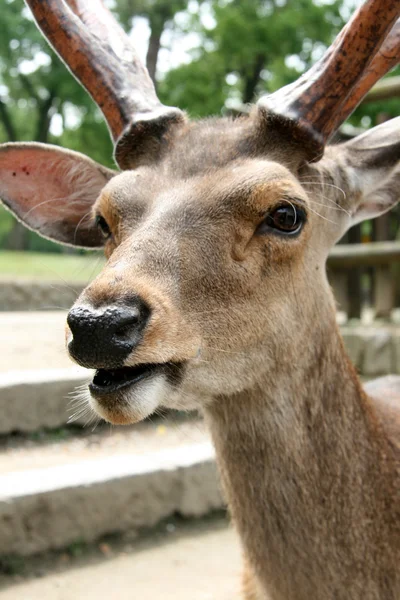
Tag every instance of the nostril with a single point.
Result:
(126, 329)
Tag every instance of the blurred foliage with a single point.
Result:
(243, 49)
(35, 89)
(371, 113)
(160, 14)
(251, 47)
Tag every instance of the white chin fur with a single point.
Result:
(134, 403)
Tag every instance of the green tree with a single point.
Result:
(249, 47)
(35, 86)
(244, 49)
(36, 90)
(41, 101)
(160, 15)
(372, 113)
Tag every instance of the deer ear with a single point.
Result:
(52, 191)
(371, 171)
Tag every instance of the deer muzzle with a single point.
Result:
(134, 338)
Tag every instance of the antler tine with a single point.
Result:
(385, 59)
(99, 54)
(318, 102)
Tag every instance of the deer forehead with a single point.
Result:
(237, 189)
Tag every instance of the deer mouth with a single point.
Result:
(108, 381)
(127, 395)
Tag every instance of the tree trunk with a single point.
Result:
(354, 279)
(18, 238)
(252, 78)
(157, 28)
(7, 123)
(46, 110)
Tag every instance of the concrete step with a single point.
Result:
(36, 399)
(36, 374)
(33, 340)
(79, 489)
(31, 294)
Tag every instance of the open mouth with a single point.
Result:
(107, 381)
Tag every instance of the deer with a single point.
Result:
(214, 295)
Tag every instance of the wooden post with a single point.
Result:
(379, 257)
(354, 279)
(384, 289)
(338, 279)
(384, 292)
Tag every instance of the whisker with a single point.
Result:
(65, 286)
(225, 351)
(325, 184)
(54, 307)
(322, 217)
(338, 208)
(80, 221)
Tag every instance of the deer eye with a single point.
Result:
(285, 219)
(101, 223)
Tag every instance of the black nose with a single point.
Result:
(103, 338)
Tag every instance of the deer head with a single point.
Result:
(216, 232)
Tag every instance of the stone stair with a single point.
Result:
(61, 483)
(54, 494)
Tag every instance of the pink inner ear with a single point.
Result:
(48, 185)
(50, 189)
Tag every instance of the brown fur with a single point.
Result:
(308, 460)
(311, 482)
(307, 464)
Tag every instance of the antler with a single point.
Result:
(99, 53)
(386, 58)
(318, 102)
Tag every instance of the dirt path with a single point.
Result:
(200, 564)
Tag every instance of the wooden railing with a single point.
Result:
(366, 275)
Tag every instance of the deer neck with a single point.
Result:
(299, 459)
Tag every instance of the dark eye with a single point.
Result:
(101, 223)
(285, 219)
